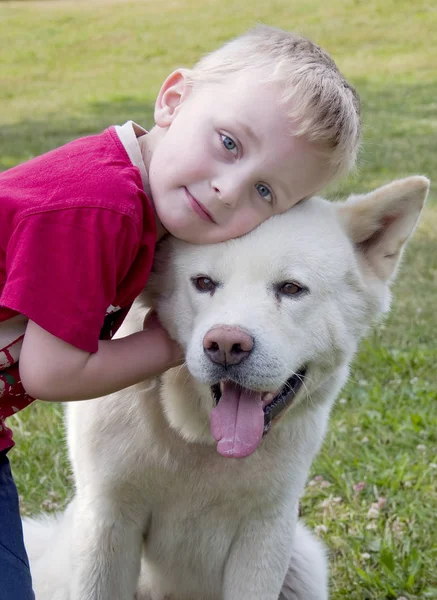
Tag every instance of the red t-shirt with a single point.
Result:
(77, 238)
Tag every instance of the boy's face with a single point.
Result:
(225, 159)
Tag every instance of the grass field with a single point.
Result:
(71, 68)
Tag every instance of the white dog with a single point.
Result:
(188, 488)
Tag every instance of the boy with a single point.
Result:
(254, 128)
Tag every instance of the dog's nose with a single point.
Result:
(227, 345)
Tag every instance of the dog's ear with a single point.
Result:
(380, 223)
(155, 285)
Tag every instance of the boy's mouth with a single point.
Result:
(198, 208)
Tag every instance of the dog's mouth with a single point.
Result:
(242, 417)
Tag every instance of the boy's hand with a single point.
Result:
(172, 353)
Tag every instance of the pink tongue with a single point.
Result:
(237, 422)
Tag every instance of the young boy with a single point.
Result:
(254, 128)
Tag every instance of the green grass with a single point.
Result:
(72, 68)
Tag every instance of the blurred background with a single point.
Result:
(71, 68)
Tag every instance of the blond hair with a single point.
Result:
(323, 106)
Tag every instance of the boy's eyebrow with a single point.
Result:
(248, 131)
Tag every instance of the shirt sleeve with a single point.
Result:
(63, 268)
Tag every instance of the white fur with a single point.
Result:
(158, 514)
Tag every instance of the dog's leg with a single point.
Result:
(48, 544)
(307, 576)
(106, 549)
(259, 558)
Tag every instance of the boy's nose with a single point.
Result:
(230, 193)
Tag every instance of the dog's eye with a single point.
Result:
(290, 288)
(204, 284)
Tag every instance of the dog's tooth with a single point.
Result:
(267, 398)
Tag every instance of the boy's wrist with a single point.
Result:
(165, 349)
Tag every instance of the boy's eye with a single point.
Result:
(229, 144)
(264, 192)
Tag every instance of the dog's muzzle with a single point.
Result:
(279, 403)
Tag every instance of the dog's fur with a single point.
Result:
(158, 513)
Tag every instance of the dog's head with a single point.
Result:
(267, 320)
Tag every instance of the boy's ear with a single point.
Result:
(175, 89)
(380, 223)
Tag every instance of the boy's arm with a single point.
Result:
(54, 370)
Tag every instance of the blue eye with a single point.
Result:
(229, 144)
(264, 192)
